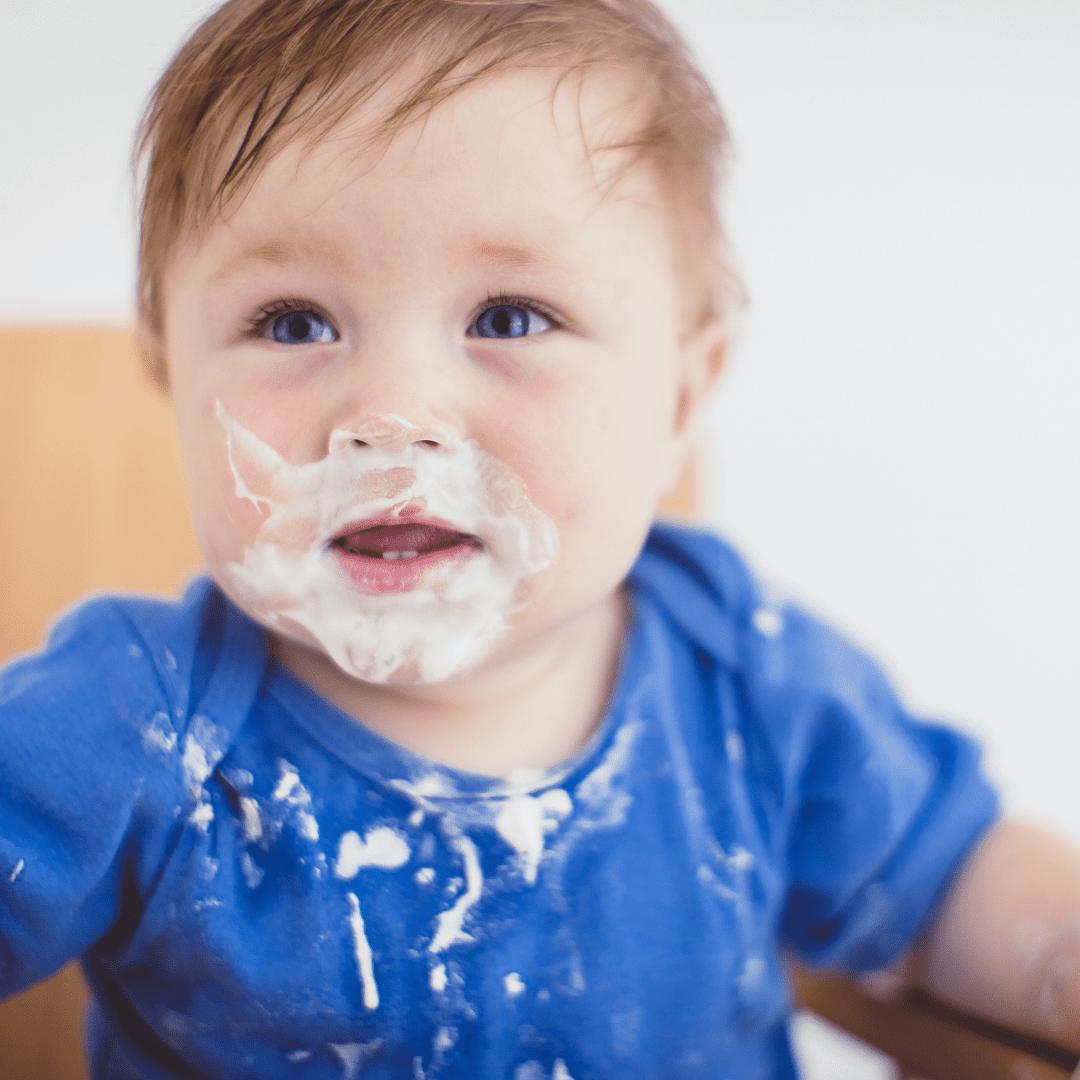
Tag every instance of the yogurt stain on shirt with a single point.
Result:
(768, 622)
(158, 736)
(202, 752)
(381, 847)
(450, 923)
(201, 817)
(362, 949)
(253, 829)
(533, 1070)
(524, 820)
(253, 874)
(292, 792)
(351, 1056)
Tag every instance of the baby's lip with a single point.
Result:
(389, 538)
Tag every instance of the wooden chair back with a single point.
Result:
(928, 1039)
(92, 497)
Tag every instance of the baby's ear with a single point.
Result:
(703, 353)
(151, 347)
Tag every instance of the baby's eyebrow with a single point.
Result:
(511, 256)
(277, 253)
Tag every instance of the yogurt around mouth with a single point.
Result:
(417, 618)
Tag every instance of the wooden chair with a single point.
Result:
(929, 1039)
(92, 497)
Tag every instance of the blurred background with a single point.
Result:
(897, 441)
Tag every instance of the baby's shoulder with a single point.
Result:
(711, 596)
(137, 697)
(121, 640)
(126, 660)
(120, 620)
(789, 665)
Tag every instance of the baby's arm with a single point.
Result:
(1007, 942)
(90, 771)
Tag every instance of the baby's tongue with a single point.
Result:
(388, 541)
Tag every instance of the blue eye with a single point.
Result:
(509, 321)
(301, 328)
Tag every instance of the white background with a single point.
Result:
(897, 442)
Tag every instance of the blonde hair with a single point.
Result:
(259, 73)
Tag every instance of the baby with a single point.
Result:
(455, 765)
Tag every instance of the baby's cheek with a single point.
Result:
(298, 536)
(598, 544)
(568, 514)
(224, 524)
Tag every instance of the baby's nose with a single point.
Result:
(391, 432)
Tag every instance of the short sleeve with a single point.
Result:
(88, 732)
(865, 812)
(881, 808)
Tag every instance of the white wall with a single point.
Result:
(73, 80)
(897, 441)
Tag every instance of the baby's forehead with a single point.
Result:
(588, 119)
(547, 152)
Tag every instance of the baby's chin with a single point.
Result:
(304, 655)
(409, 674)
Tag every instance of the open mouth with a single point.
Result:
(392, 557)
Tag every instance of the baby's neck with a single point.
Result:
(531, 708)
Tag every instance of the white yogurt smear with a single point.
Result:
(290, 579)
(533, 1070)
(351, 1055)
(524, 821)
(450, 924)
(365, 961)
(381, 847)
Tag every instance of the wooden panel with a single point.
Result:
(91, 483)
(41, 1030)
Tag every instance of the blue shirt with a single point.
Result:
(260, 886)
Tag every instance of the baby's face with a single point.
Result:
(429, 395)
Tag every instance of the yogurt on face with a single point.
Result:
(401, 559)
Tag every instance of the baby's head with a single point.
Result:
(438, 286)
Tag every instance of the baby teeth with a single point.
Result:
(400, 554)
